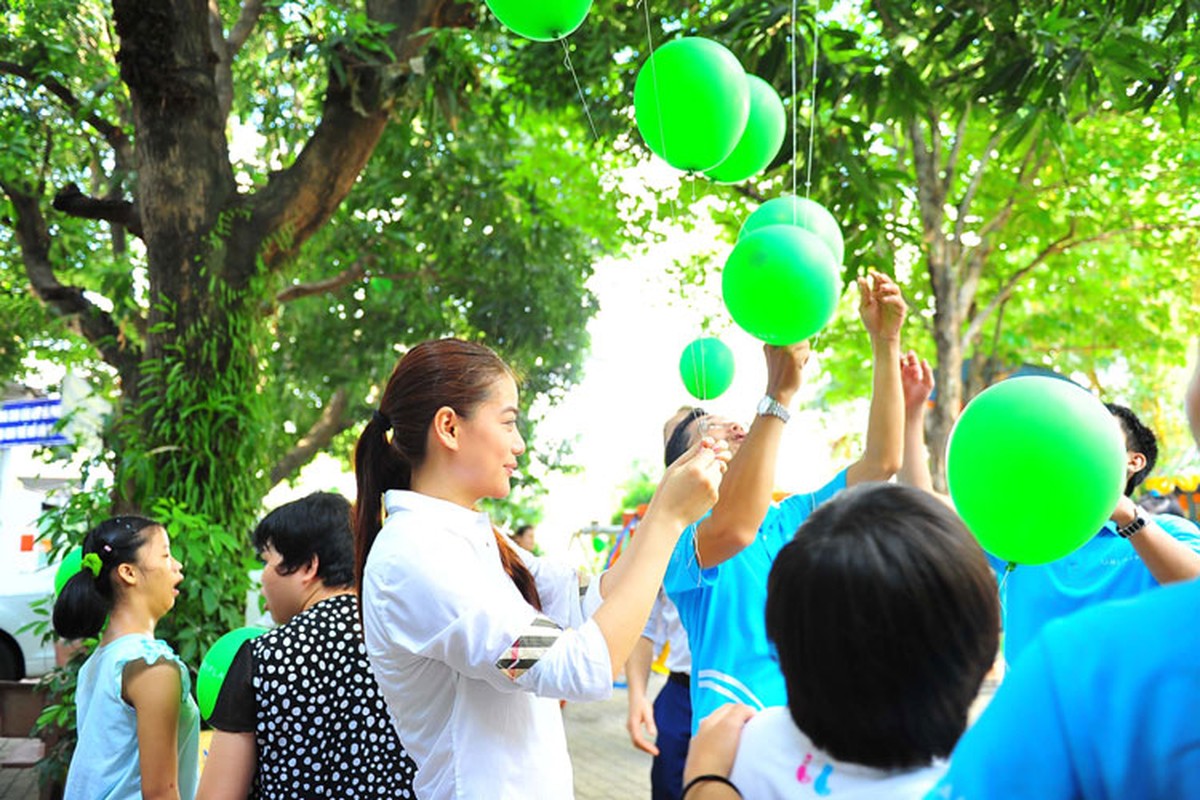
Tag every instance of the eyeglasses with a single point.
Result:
(714, 426)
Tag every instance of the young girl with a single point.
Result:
(885, 617)
(137, 724)
(473, 642)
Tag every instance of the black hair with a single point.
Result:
(317, 525)
(679, 441)
(521, 530)
(86, 599)
(1138, 439)
(885, 616)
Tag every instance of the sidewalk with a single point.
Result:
(607, 766)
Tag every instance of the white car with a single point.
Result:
(22, 653)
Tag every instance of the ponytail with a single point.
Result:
(378, 466)
(518, 572)
(87, 598)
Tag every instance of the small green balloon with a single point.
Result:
(1035, 431)
(215, 666)
(598, 544)
(71, 564)
(762, 138)
(541, 20)
(706, 367)
(780, 284)
(807, 214)
(691, 102)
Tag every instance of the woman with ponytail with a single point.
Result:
(138, 726)
(474, 643)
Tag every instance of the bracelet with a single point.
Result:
(708, 778)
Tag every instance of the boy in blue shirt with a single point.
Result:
(1101, 704)
(718, 573)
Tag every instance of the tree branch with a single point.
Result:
(73, 202)
(297, 201)
(1060, 245)
(96, 324)
(333, 420)
(247, 19)
(114, 135)
(956, 149)
(964, 205)
(352, 273)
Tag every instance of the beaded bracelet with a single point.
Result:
(706, 779)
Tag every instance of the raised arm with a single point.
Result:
(1168, 559)
(686, 492)
(747, 486)
(882, 308)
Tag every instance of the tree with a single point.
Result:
(240, 315)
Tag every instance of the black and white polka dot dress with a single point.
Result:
(320, 723)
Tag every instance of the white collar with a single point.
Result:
(471, 524)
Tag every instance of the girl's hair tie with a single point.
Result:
(92, 562)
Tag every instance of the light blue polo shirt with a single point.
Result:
(1104, 704)
(1105, 568)
(723, 609)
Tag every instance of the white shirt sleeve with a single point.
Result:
(446, 603)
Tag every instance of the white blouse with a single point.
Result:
(472, 674)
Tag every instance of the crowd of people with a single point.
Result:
(829, 644)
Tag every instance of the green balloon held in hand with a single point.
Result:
(706, 367)
(71, 564)
(762, 138)
(804, 213)
(215, 666)
(780, 284)
(691, 102)
(1027, 432)
(541, 20)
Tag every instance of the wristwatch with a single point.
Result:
(769, 406)
(1133, 527)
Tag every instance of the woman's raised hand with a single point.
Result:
(689, 487)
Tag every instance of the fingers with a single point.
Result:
(926, 373)
(713, 748)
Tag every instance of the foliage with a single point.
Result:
(637, 489)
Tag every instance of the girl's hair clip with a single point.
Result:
(92, 563)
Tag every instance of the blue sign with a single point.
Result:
(31, 422)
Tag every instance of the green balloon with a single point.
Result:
(808, 214)
(691, 102)
(541, 20)
(1029, 432)
(71, 564)
(598, 544)
(760, 142)
(706, 367)
(215, 665)
(780, 284)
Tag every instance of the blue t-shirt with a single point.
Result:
(723, 610)
(1105, 568)
(105, 765)
(1101, 705)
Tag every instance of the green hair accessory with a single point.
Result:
(92, 562)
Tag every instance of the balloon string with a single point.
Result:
(587, 112)
(662, 133)
(1004, 597)
(795, 110)
(812, 110)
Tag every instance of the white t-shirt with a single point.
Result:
(664, 628)
(776, 760)
(472, 674)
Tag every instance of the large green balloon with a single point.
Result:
(760, 142)
(808, 214)
(71, 564)
(691, 102)
(541, 20)
(215, 665)
(780, 284)
(706, 367)
(1029, 432)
